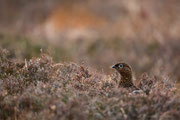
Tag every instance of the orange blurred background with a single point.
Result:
(100, 32)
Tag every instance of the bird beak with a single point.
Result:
(114, 66)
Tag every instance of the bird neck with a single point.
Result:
(126, 79)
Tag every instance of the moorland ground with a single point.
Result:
(50, 71)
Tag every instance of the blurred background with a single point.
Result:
(145, 34)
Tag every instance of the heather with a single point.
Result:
(42, 89)
(56, 59)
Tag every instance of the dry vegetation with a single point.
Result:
(46, 73)
(40, 89)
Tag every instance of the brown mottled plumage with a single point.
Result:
(126, 75)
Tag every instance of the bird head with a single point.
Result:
(122, 68)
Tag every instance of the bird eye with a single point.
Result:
(120, 65)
